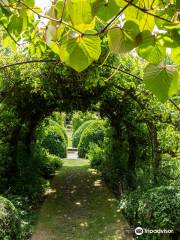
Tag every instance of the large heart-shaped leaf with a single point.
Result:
(125, 39)
(79, 52)
(150, 48)
(162, 80)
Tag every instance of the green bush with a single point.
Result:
(95, 155)
(58, 117)
(80, 117)
(78, 132)
(157, 208)
(9, 220)
(54, 140)
(52, 122)
(94, 133)
(49, 166)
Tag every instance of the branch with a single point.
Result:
(28, 61)
(175, 105)
(70, 26)
(124, 71)
(50, 18)
(114, 18)
(146, 11)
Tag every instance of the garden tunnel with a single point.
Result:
(62, 89)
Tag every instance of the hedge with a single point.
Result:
(157, 208)
(80, 117)
(93, 133)
(54, 140)
(78, 132)
(9, 220)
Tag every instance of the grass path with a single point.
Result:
(79, 208)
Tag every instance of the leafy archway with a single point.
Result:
(127, 105)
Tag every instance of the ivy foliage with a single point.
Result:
(72, 31)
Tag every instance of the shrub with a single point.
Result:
(54, 140)
(79, 118)
(9, 220)
(27, 212)
(78, 132)
(94, 133)
(47, 163)
(158, 208)
(49, 166)
(95, 155)
(58, 117)
(51, 122)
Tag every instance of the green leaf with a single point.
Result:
(15, 25)
(79, 52)
(125, 39)
(121, 3)
(150, 49)
(30, 3)
(162, 80)
(55, 47)
(145, 21)
(170, 39)
(59, 6)
(175, 55)
(105, 9)
(8, 42)
(80, 12)
(166, 13)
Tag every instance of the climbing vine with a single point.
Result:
(72, 32)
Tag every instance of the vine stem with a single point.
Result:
(113, 19)
(28, 61)
(147, 11)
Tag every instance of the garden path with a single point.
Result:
(79, 207)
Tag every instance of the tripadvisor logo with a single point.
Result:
(139, 231)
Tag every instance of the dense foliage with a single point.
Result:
(73, 30)
(78, 132)
(54, 139)
(9, 220)
(158, 208)
(79, 118)
(93, 133)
